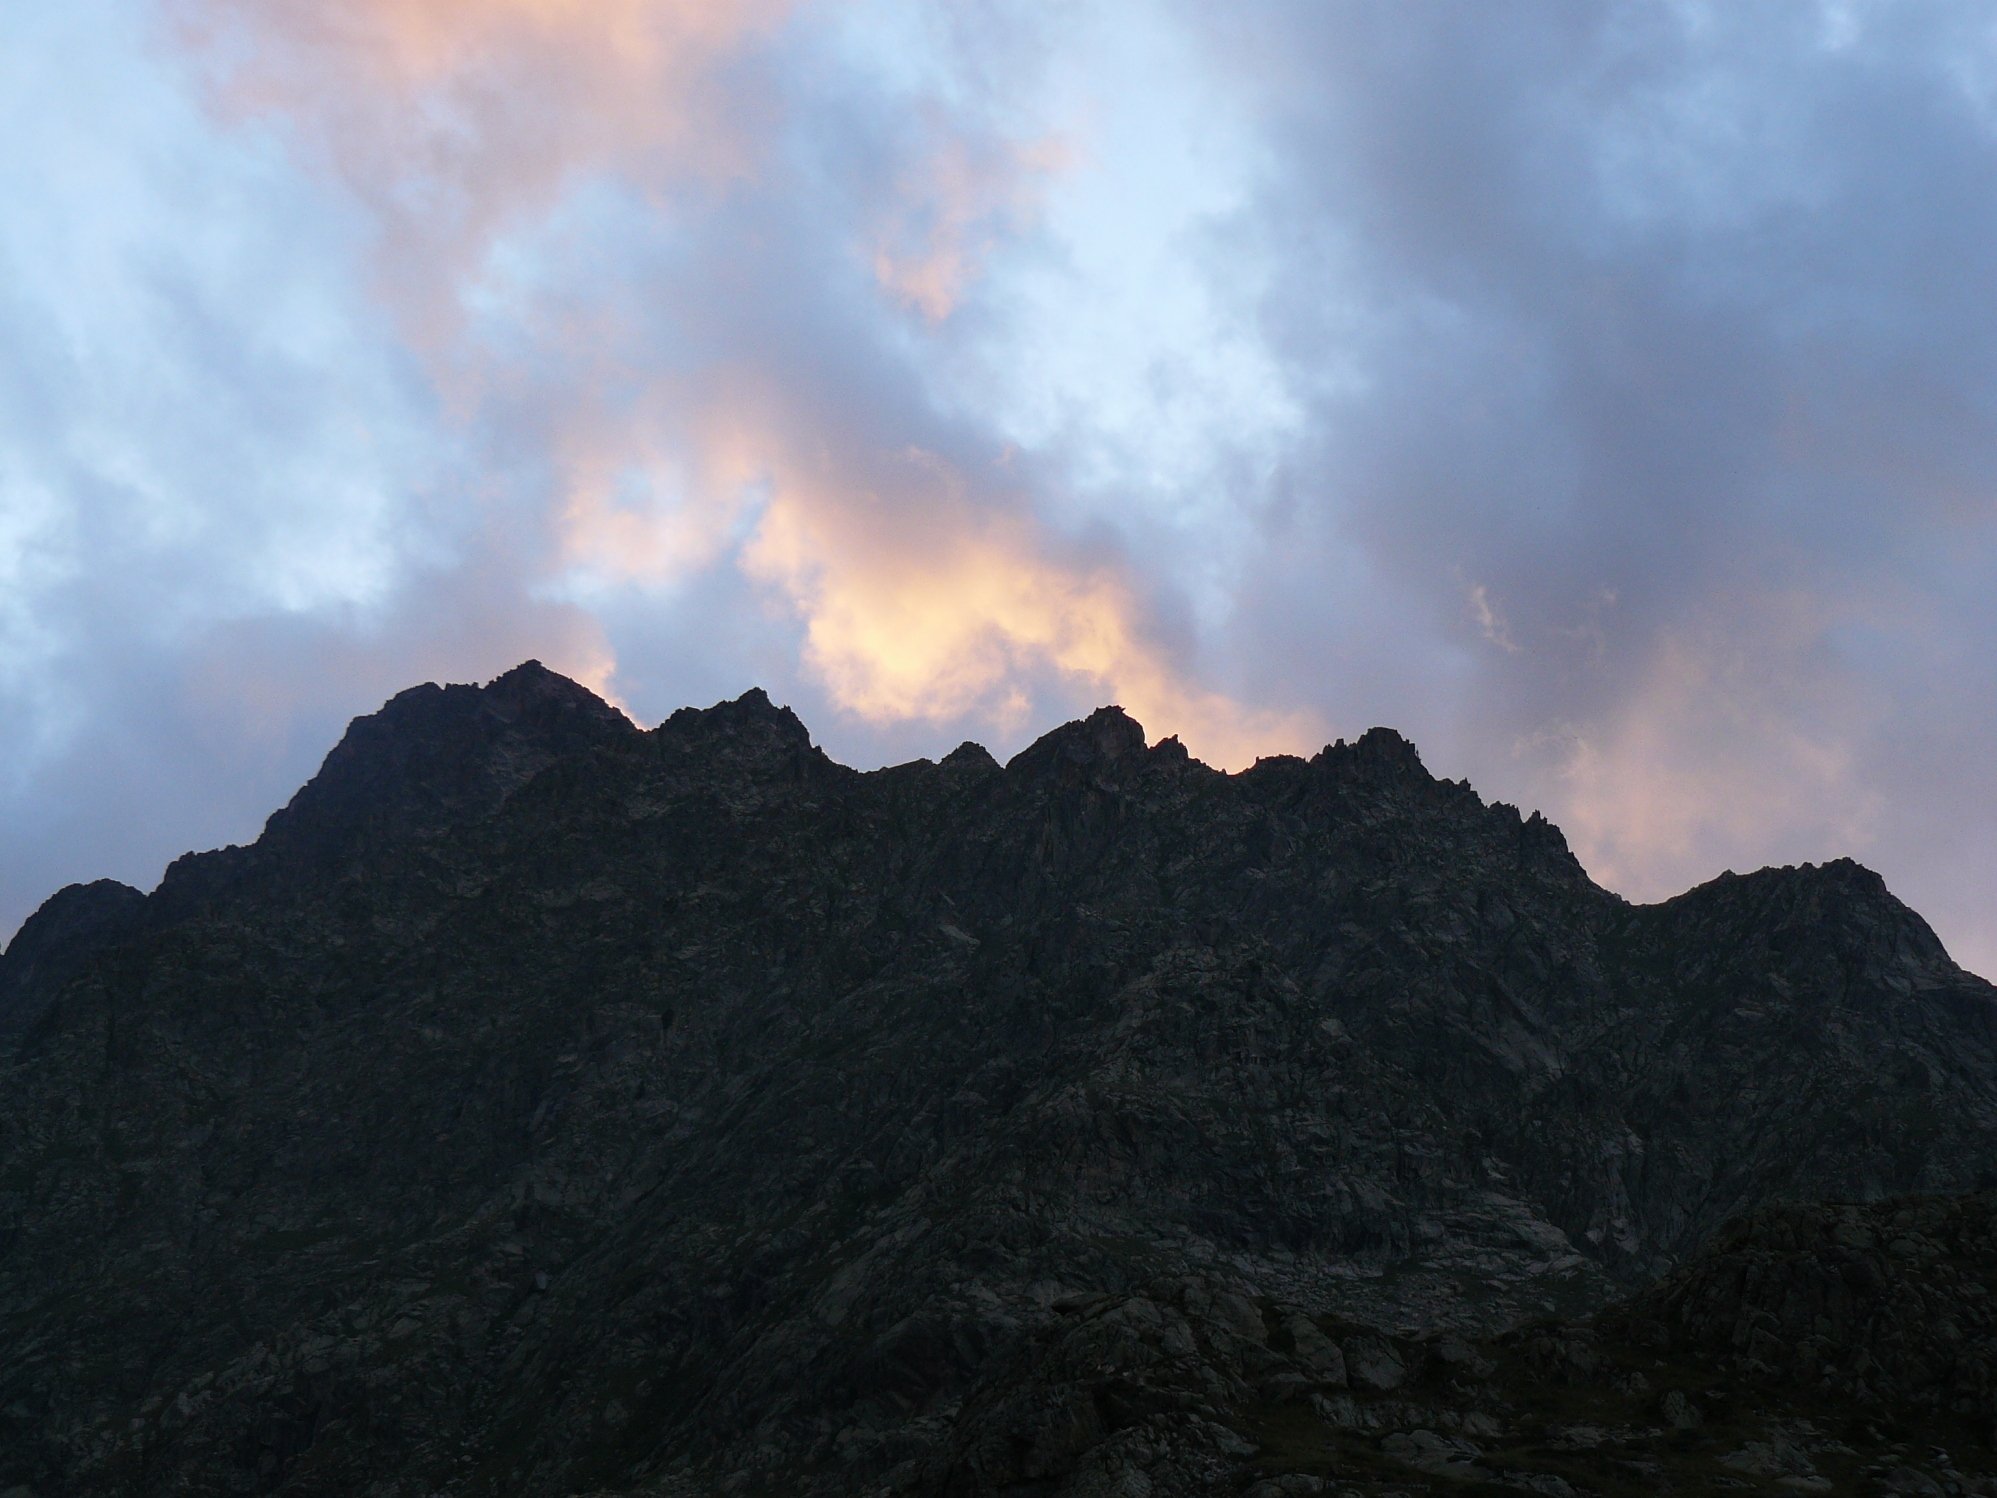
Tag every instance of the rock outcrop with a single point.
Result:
(1833, 1349)
(542, 1105)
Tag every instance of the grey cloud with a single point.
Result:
(1674, 337)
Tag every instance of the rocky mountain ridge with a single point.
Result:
(546, 1105)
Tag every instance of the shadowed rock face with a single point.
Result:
(543, 1105)
(1834, 1349)
(58, 940)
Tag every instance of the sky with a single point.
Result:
(1604, 396)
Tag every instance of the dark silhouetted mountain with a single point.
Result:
(57, 940)
(542, 1105)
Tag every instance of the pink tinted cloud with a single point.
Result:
(460, 124)
(456, 120)
(949, 211)
(1716, 756)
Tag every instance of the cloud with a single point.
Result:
(1605, 396)
(948, 212)
(1699, 761)
(1490, 623)
(1666, 334)
(953, 615)
(458, 120)
(678, 445)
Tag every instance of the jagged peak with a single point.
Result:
(74, 909)
(434, 747)
(969, 755)
(529, 691)
(531, 686)
(1837, 874)
(1379, 755)
(1847, 900)
(1104, 737)
(1849, 872)
(752, 715)
(1378, 749)
(70, 924)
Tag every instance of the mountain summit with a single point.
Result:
(544, 1105)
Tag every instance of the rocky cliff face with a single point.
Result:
(542, 1105)
(1846, 1349)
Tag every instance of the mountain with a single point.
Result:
(543, 1105)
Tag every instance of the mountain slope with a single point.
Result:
(542, 1103)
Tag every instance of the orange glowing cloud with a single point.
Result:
(458, 122)
(926, 605)
(919, 601)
